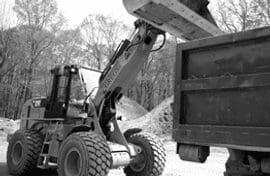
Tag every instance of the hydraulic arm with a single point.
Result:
(179, 17)
(126, 63)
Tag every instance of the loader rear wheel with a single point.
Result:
(84, 154)
(23, 152)
(151, 160)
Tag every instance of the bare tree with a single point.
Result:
(101, 36)
(240, 15)
(68, 48)
(6, 14)
(39, 20)
(6, 38)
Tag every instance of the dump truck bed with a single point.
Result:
(222, 91)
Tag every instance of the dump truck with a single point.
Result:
(221, 99)
(221, 86)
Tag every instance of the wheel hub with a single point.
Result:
(73, 163)
(139, 162)
(17, 152)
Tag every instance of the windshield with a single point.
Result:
(76, 90)
(90, 80)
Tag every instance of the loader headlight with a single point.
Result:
(72, 70)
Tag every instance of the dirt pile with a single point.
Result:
(7, 126)
(158, 121)
(129, 109)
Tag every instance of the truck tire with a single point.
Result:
(84, 154)
(151, 160)
(23, 152)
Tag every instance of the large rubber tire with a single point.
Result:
(151, 160)
(84, 154)
(23, 152)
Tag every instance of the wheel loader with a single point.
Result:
(82, 138)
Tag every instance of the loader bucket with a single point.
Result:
(186, 19)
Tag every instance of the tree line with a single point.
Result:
(39, 41)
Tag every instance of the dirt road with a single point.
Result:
(174, 166)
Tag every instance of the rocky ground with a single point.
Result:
(158, 122)
(214, 166)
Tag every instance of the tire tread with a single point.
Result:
(158, 154)
(34, 141)
(97, 150)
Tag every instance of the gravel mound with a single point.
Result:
(129, 109)
(158, 121)
(8, 126)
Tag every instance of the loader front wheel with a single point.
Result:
(84, 154)
(151, 160)
(23, 152)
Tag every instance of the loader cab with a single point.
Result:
(58, 100)
(70, 86)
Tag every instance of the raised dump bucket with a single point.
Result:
(185, 19)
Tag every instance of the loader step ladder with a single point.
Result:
(44, 157)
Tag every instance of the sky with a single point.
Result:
(76, 10)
